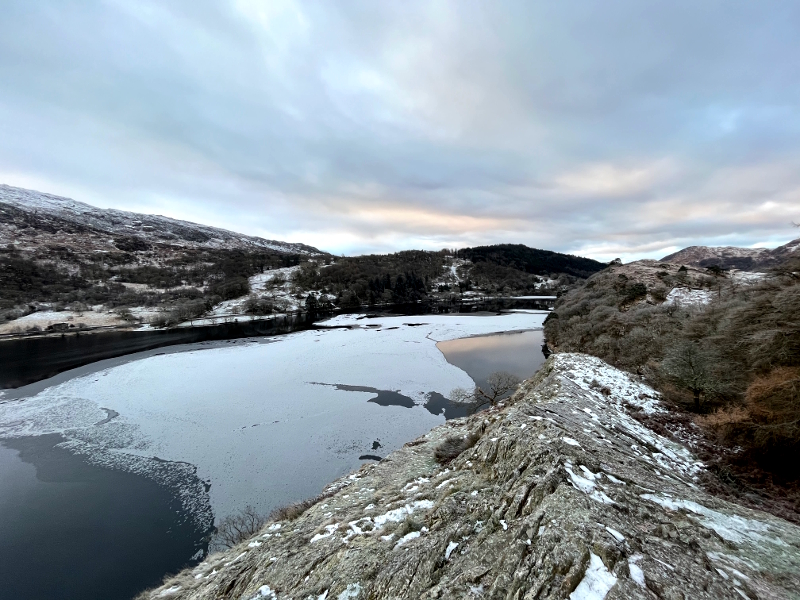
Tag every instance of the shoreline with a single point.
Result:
(30, 359)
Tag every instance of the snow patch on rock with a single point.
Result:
(596, 583)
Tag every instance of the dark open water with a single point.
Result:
(71, 530)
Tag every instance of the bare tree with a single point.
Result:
(500, 384)
(691, 366)
(234, 529)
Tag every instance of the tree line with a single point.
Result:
(188, 282)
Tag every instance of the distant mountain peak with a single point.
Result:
(727, 257)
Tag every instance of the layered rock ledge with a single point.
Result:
(563, 495)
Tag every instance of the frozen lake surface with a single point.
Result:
(109, 473)
(260, 422)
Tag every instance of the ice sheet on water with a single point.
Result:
(242, 412)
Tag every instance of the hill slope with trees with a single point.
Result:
(63, 260)
(723, 348)
(416, 275)
(531, 260)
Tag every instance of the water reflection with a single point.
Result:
(517, 353)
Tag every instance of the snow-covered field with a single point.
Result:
(747, 276)
(281, 294)
(260, 419)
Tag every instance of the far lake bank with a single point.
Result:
(29, 358)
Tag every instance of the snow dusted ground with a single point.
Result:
(747, 276)
(260, 419)
(686, 296)
(450, 276)
(259, 287)
(610, 392)
(152, 228)
(282, 295)
(42, 319)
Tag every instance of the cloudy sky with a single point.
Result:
(604, 128)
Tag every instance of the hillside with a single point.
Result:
(723, 348)
(731, 257)
(32, 221)
(416, 275)
(63, 261)
(68, 265)
(561, 494)
(531, 260)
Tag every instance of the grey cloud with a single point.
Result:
(602, 127)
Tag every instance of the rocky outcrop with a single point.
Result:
(563, 495)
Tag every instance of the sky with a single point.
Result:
(607, 128)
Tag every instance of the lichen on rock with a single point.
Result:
(564, 495)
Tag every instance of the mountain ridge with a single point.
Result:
(733, 257)
(49, 211)
(67, 260)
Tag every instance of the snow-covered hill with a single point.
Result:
(66, 263)
(747, 259)
(27, 216)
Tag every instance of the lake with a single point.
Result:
(200, 431)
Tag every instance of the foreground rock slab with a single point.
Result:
(563, 495)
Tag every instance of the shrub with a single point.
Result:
(258, 306)
(767, 425)
(290, 512)
(736, 354)
(234, 529)
(231, 287)
(131, 244)
(452, 446)
(634, 291)
(775, 396)
(659, 293)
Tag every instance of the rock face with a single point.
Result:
(563, 495)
